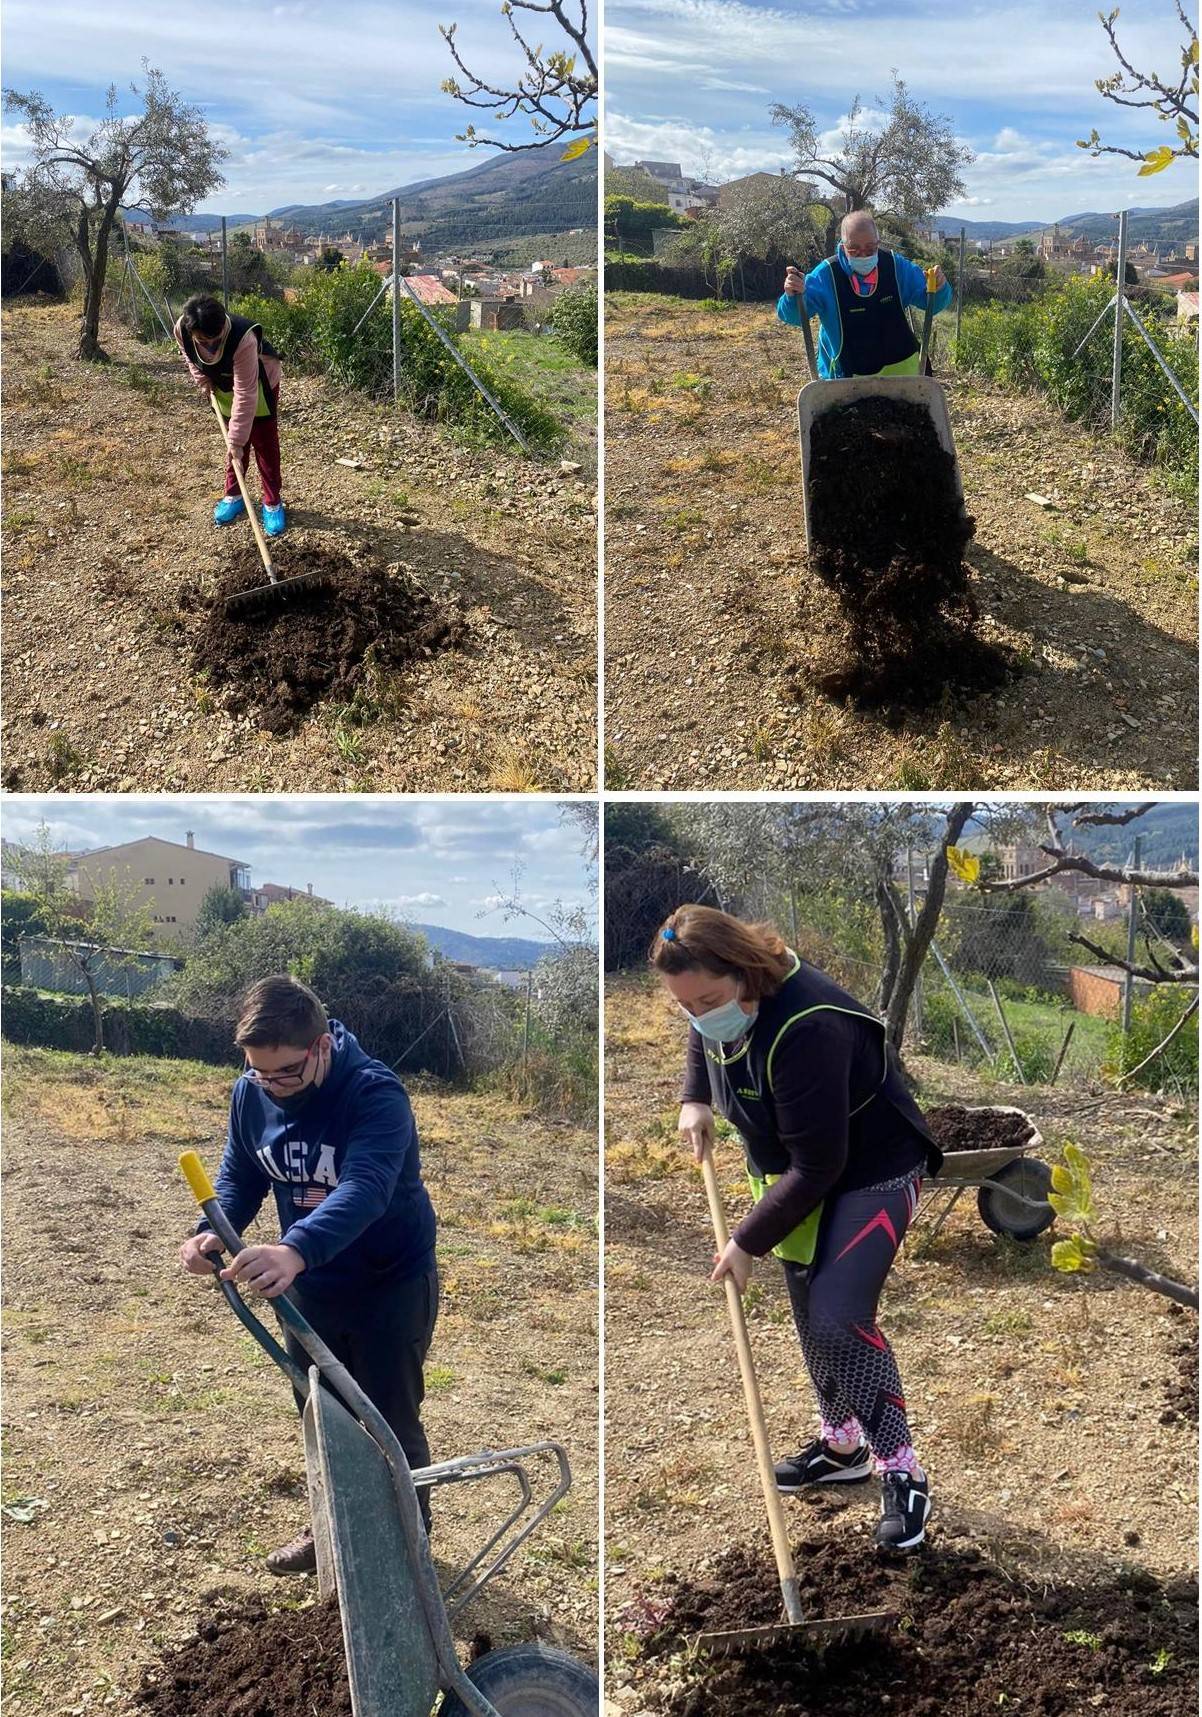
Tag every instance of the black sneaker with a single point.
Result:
(820, 1464)
(905, 1506)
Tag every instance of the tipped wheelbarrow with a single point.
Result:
(1012, 1185)
(821, 396)
(372, 1547)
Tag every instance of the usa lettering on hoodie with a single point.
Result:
(345, 1169)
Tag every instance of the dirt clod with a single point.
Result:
(889, 531)
(1181, 1391)
(957, 1129)
(968, 1640)
(247, 1663)
(282, 657)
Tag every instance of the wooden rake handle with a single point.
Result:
(755, 1407)
(256, 527)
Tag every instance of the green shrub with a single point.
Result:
(316, 331)
(65, 1022)
(574, 319)
(1036, 1052)
(1035, 345)
(1152, 1018)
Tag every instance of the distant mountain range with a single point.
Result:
(1172, 225)
(494, 953)
(1165, 834)
(503, 197)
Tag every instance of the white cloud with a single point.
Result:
(701, 151)
(352, 90)
(404, 900)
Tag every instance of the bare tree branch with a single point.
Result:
(1118, 819)
(1164, 1043)
(1169, 101)
(1154, 974)
(556, 96)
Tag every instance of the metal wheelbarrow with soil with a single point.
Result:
(1012, 1185)
(372, 1547)
(819, 396)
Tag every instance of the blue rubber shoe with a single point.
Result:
(229, 508)
(274, 522)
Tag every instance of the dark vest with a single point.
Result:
(882, 1110)
(875, 330)
(221, 374)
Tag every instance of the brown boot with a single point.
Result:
(299, 1557)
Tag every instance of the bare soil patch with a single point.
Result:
(312, 644)
(718, 627)
(246, 1662)
(153, 1451)
(110, 475)
(969, 1639)
(1026, 1389)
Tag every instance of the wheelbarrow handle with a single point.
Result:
(233, 1243)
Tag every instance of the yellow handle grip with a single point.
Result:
(197, 1179)
(932, 283)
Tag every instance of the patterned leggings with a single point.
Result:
(834, 1300)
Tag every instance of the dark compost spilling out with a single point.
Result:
(889, 532)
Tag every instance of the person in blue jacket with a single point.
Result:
(330, 1132)
(860, 296)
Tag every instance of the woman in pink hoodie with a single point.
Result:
(229, 358)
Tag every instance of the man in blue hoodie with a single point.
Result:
(859, 296)
(330, 1132)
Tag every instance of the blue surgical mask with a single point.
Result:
(862, 264)
(724, 1024)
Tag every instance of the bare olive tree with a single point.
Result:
(161, 157)
(909, 167)
(556, 90)
(1173, 102)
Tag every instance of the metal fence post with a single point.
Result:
(526, 1028)
(396, 299)
(1132, 913)
(225, 268)
(960, 287)
(1120, 283)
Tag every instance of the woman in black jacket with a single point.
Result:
(836, 1150)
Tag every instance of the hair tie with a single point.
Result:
(668, 934)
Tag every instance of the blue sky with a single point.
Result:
(693, 81)
(430, 861)
(314, 101)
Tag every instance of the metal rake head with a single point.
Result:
(816, 1633)
(278, 592)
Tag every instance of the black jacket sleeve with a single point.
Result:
(696, 1087)
(811, 1086)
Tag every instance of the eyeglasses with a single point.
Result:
(291, 1074)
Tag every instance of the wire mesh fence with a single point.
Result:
(1117, 359)
(1003, 991)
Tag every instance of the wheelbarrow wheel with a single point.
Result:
(530, 1681)
(1003, 1213)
